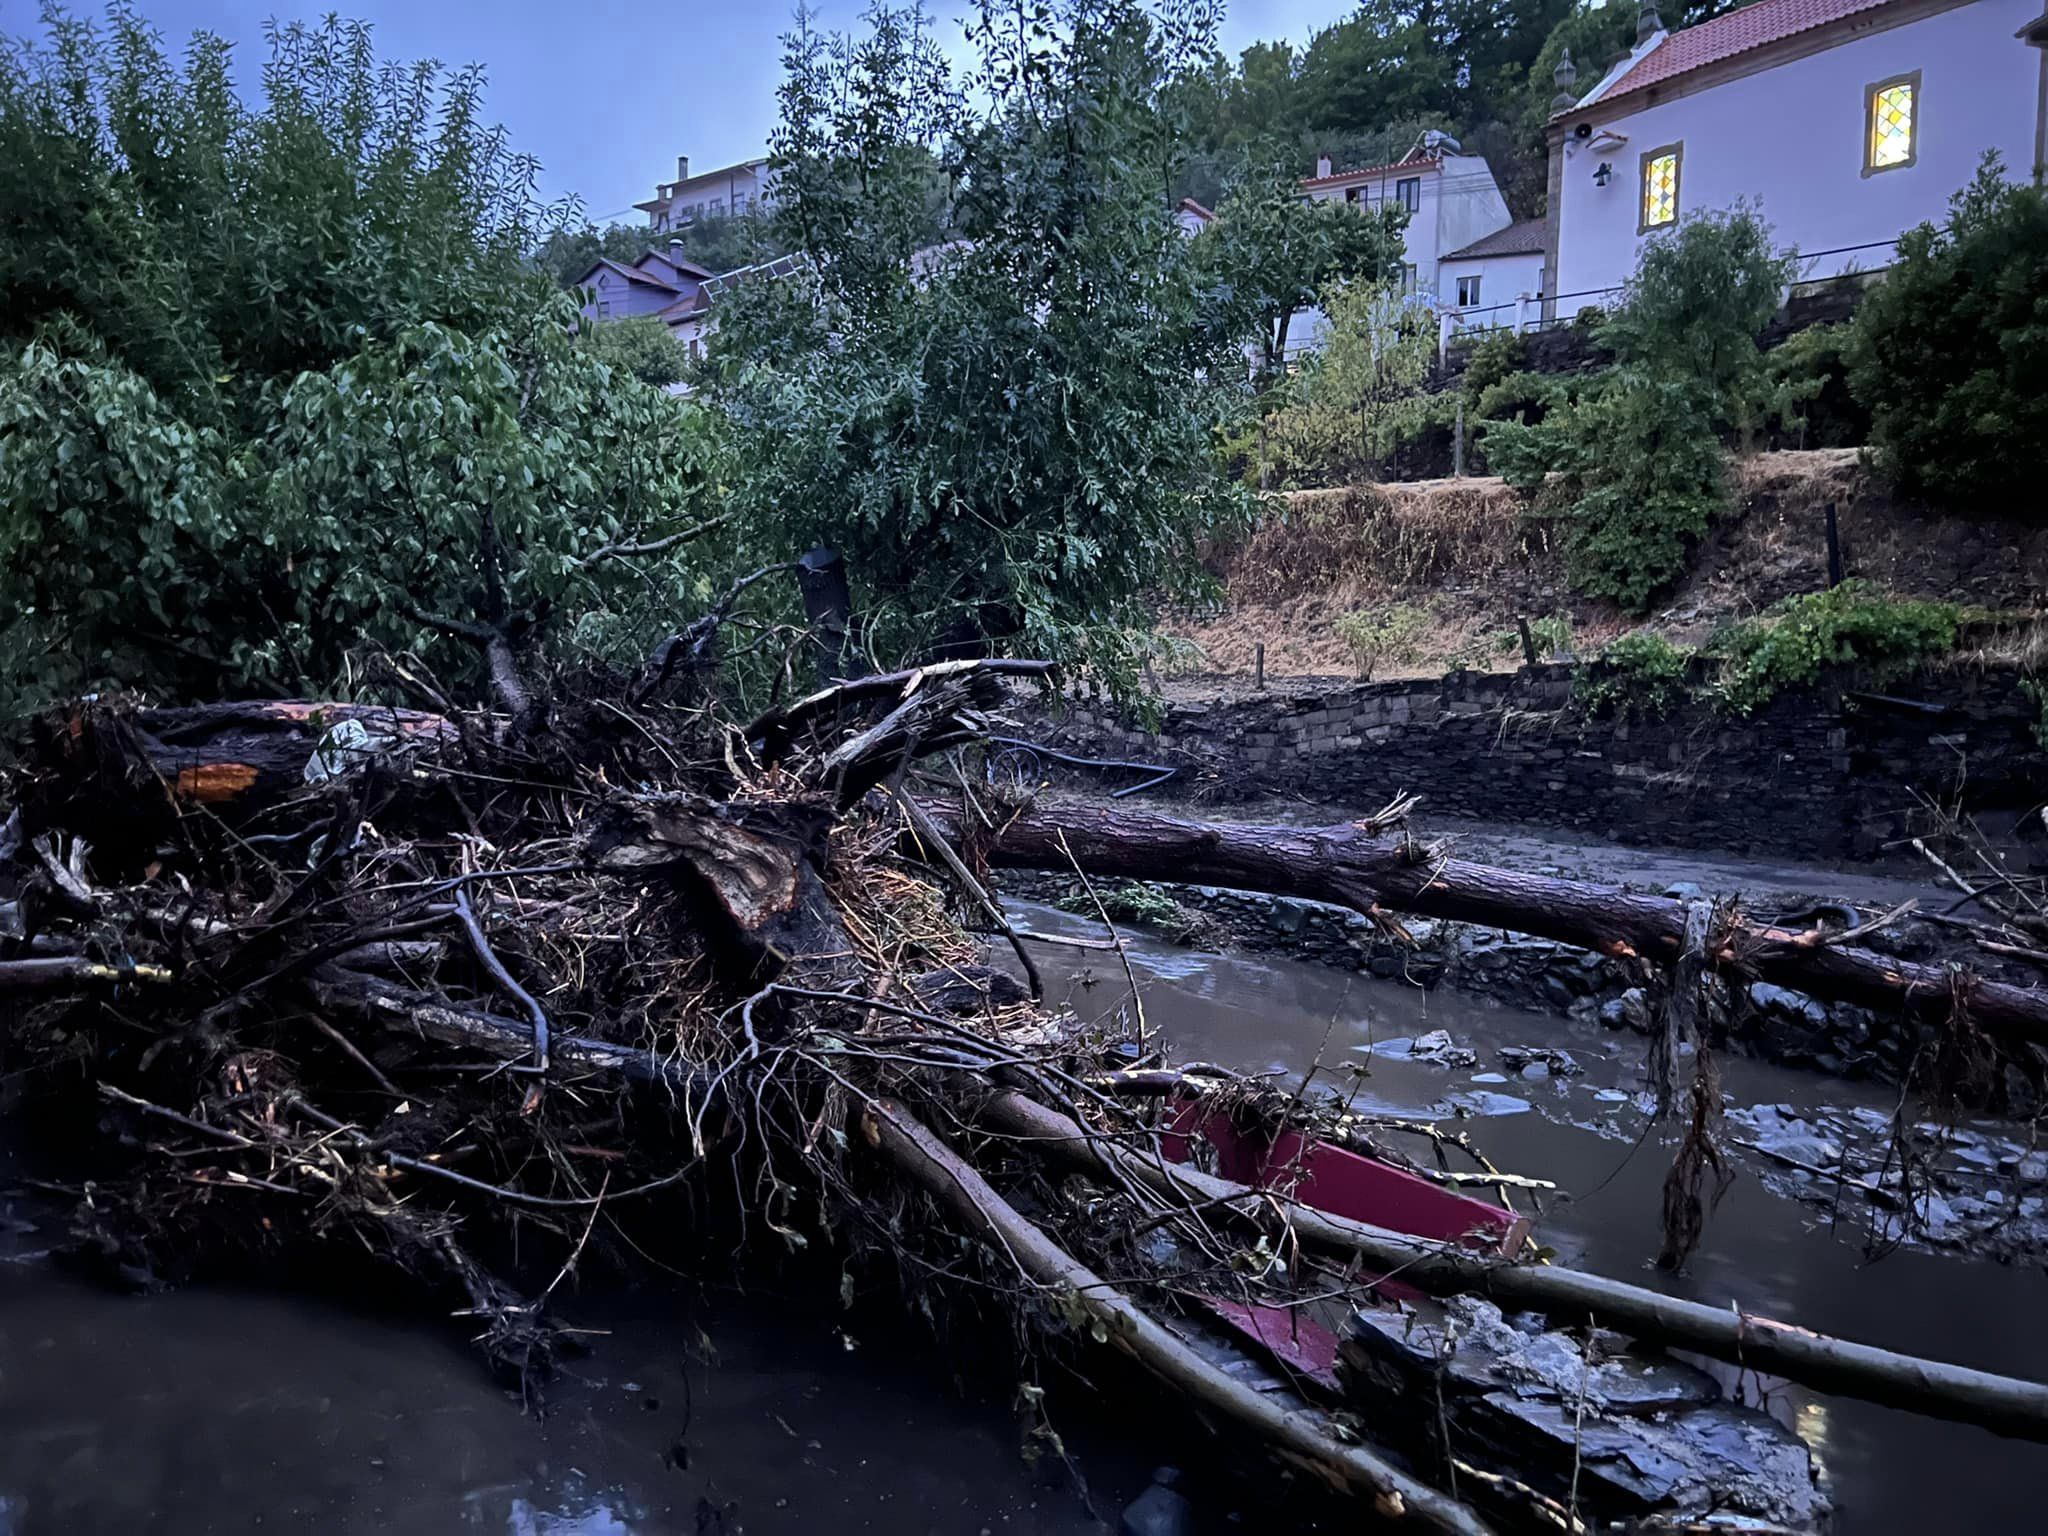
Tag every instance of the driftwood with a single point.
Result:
(1355, 1468)
(1371, 872)
(479, 959)
(221, 755)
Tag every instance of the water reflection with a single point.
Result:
(206, 1411)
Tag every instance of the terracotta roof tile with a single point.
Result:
(1338, 178)
(1531, 237)
(1768, 21)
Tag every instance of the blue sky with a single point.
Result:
(608, 92)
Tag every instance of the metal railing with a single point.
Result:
(1525, 314)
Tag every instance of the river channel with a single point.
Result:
(220, 1411)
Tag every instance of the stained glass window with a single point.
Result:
(1660, 188)
(1891, 125)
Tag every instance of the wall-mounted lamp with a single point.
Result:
(1604, 175)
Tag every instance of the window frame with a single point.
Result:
(1676, 150)
(1910, 78)
(1468, 297)
(1402, 190)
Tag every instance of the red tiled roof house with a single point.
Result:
(1845, 122)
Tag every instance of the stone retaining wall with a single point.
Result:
(1828, 773)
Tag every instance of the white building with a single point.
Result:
(729, 190)
(1844, 122)
(1498, 278)
(1453, 203)
(1451, 198)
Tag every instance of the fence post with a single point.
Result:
(1834, 550)
(1259, 665)
(1443, 337)
(1458, 441)
(1521, 313)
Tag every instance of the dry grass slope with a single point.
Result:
(1464, 553)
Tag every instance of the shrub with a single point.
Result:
(1634, 463)
(642, 347)
(1806, 389)
(1950, 351)
(1641, 674)
(1798, 638)
(1359, 399)
(1495, 356)
(1638, 477)
(1522, 396)
(1384, 634)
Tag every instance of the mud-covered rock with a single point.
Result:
(1633, 1434)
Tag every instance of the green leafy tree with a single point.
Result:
(567, 254)
(1271, 252)
(641, 346)
(1950, 350)
(1008, 436)
(310, 393)
(1343, 413)
(1635, 463)
(212, 250)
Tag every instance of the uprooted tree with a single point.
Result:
(256, 939)
(544, 922)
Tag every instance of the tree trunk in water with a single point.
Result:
(1356, 1468)
(2001, 1403)
(1349, 866)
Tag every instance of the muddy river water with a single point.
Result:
(213, 1411)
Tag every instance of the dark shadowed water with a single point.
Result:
(215, 1411)
(211, 1411)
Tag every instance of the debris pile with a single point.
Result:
(454, 990)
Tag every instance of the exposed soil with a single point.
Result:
(1464, 555)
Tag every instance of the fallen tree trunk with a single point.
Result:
(1347, 866)
(1354, 1468)
(2001, 1403)
(234, 753)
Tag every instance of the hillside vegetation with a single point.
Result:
(1462, 556)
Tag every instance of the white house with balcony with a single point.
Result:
(1453, 204)
(728, 191)
(1843, 122)
(1451, 198)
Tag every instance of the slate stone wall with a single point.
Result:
(1828, 773)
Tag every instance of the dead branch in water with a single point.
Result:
(2002, 1403)
(570, 966)
(1367, 871)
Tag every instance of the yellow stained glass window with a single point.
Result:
(1660, 189)
(1891, 125)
